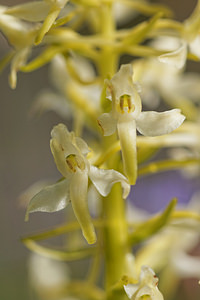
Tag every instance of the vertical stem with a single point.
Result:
(108, 61)
(115, 233)
(115, 236)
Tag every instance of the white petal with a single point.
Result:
(103, 180)
(122, 84)
(35, 11)
(78, 195)
(147, 286)
(47, 273)
(186, 265)
(150, 291)
(122, 81)
(126, 128)
(50, 199)
(59, 157)
(65, 139)
(108, 123)
(58, 73)
(47, 100)
(131, 289)
(153, 123)
(194, 46)
(176, 58)
(19, 33)
(82, 145)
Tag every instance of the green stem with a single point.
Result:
(115, 236)
(115, 233)
(107, 63)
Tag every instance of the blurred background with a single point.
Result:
(25, 158)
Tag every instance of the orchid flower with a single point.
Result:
(77, 94)
(37, 11)
(21, 36)
(126, 116)
(70, 157)
(169, 252)
(178, 89)
(146, 288)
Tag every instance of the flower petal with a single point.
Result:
(59, 157)
(19, 33)
(146, 286)
(176, 58)
(108, 123)
(186, 265)
(103, 180)
(127, 135)
(122, 84)
(82, 145)
(78, 195)
(153, 123)
(131, 289)
(35, 11)
(50, 199)
(65, 139)
(194, 46)
(50, 101)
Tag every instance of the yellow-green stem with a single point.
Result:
(115, 236)
(115, 233)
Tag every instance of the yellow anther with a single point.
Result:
(125, 104)
(73, 161)
(145, 297)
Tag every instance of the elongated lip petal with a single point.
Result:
(103, 180)
(126, 128)
(50, 199)
(78, 196)
(153, 123)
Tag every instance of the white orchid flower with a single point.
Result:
(70, 157)
(176, 88)
(36, 11)
(146, 288)
(126, 116)
(21, 36)
(78, 92)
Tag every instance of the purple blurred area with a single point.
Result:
(154, 192)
